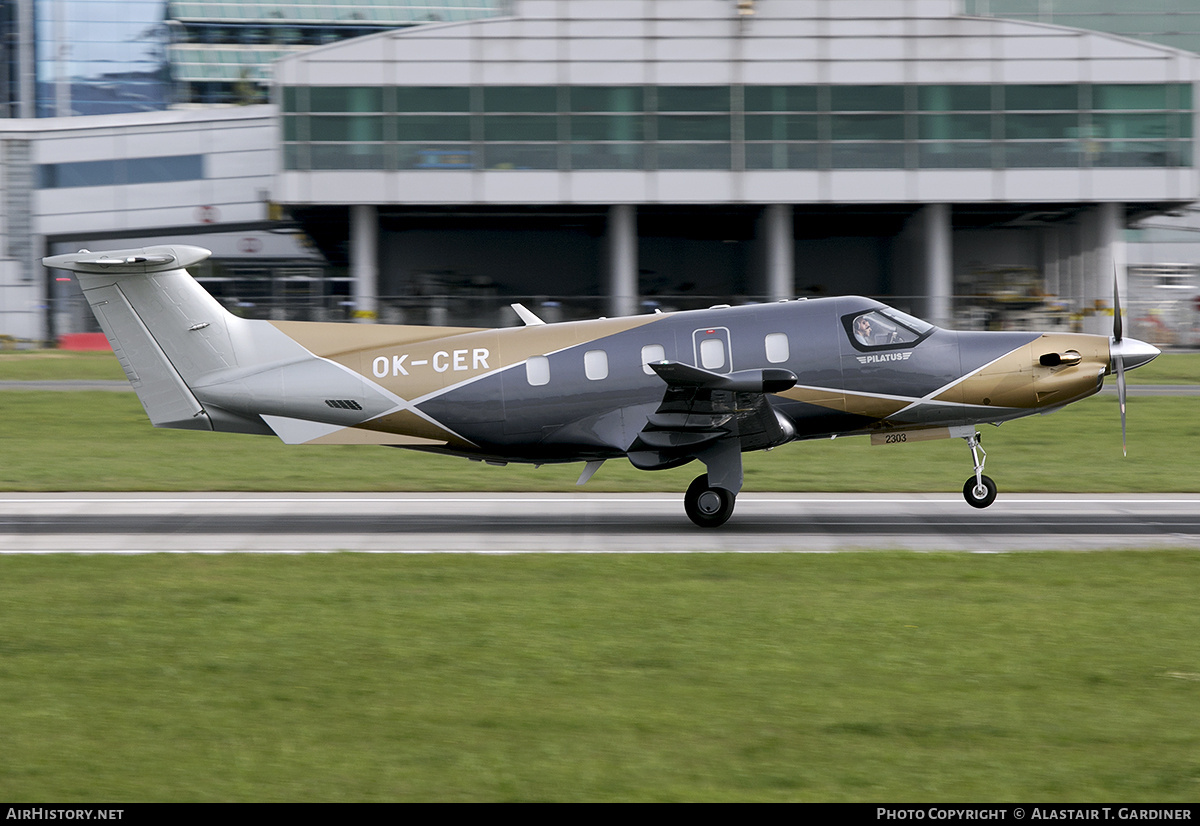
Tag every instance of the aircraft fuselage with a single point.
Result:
(582, 390)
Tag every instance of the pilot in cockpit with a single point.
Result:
(876, 330)
(862, 330)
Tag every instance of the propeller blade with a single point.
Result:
(1117, 356)
(1118, 324)
(1121, 399)
(1125, 354)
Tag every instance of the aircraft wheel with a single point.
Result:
(980, 496)
(707, 507)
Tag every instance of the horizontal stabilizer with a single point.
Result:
(133, 262)
(303, 432)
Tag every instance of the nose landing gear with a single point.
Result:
(979, 490)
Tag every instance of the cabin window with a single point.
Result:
(652, 353)
(712, 353)
(537, 370)
(595, 364)
(777, 348)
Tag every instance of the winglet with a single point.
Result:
(527, 315)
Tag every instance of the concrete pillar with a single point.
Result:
(1105, 225)
(1113, 252)
(364, 262)
(622, 260)
(1075, 260)
(780, 247)
(938, 274)
(1051, 261)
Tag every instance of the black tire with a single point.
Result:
(708, 507)
(972, 496)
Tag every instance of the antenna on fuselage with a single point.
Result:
(527, 315)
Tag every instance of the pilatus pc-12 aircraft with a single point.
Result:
(660, 390)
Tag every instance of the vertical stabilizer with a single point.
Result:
(165, 329)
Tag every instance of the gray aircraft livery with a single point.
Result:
(660, 390)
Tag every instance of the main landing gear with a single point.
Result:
(708, 507)
(979, 490)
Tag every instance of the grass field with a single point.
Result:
(871, 676)
(103, 441)
(58, 365)
(1169, 368)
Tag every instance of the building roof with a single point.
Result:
(708, 41)
(870, 110)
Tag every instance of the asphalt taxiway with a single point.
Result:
(584, 523)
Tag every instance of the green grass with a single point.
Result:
(99, 441)
(871, 676)
(58, 365)
(103, 441)
(874, 676)
(1169, 368)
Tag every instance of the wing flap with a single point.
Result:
(678, 440)
(713, 417)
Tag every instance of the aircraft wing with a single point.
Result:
(712, 417)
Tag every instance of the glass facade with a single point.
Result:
(1170, 22)
(96, 57)
(220, 52)
(738, 128)
(10, 68)
(324, 11)
(152, 170)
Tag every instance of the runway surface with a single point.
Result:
(584, 523)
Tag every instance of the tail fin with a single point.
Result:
(165, 329)
(197, 367)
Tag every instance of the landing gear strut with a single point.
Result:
(979, 490)
(708, 507)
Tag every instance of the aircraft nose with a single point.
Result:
(1132, 352)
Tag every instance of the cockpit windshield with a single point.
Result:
(886, 327)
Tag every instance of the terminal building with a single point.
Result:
(610, 157)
